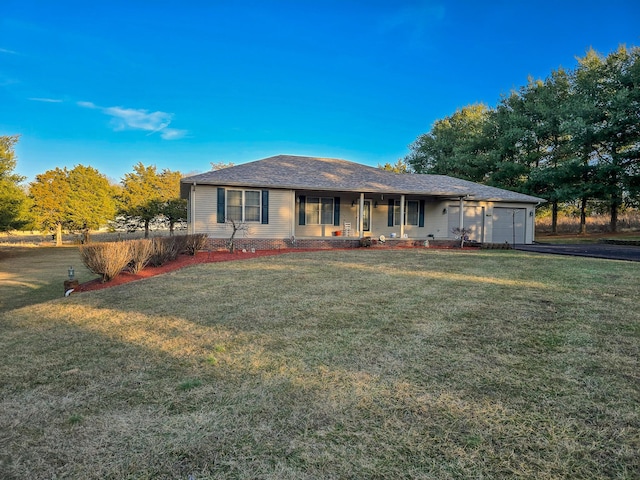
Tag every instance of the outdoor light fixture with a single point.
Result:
(531, 213)
(71, 273)
(375, 205)
(444, 211)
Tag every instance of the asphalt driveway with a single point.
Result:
(596, 250)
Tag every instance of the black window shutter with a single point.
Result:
(265, 207)
(301, 210)
(392, 204)
(421, 214)
(336, 211)
(221, 208)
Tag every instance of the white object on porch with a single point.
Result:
(347, 229)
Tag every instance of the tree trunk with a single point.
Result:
(58, 234)
(614, 216)
(146, 228)
(583, 216)
(554, 218)
(171, 226)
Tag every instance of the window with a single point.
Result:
(411, 212)
(319, 211)
(251, 206)
(243, 205)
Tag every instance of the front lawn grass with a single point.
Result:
(339, 364)
(30, 274)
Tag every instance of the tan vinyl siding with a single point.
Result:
(205, 219)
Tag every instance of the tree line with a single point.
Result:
(82, 199)
(572, 139)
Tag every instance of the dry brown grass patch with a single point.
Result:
(351, 364)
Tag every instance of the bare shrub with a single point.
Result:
(106, 259)
(141, 251)
(166, 249)
(241, 227)
(461, 234)
(196, 242)
(180, 244)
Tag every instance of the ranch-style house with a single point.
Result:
(288, 200)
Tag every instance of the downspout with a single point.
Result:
(361, 219)
(293, 214)
(191, 226)
(461, 213)
(402, 216)
(533, 223)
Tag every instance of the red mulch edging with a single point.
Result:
(201, 257)
(180, 262)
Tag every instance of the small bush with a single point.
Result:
(196, 242)
(165, 249)
(180, 244)
(141, 251)
(106, 259)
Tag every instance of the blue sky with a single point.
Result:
(181, 84)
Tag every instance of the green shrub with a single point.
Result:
(106, 259)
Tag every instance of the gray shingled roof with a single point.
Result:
(330, 174)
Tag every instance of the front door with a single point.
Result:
(366, 217)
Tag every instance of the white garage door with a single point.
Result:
(473, 221)
(509, 225)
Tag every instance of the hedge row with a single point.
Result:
(110, 258)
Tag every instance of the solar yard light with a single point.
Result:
(71, 273)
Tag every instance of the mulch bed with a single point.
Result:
(204, 257)
(181, 262)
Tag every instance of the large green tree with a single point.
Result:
(573, 138)
(79, 200)
(612, 86)
(92, 200)
(13, 199)
(456, 145)
(146, 194)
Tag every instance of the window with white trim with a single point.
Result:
(319, 210)
(243, 205)
(411, 212)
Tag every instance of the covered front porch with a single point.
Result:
(386, 216)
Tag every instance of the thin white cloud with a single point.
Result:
(87, 104)
(131, 118)
(139, 119)
(6, 50)
(173, 134)
(45, 100)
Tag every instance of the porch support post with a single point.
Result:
(361, 219)
(401, 216)
(461, 213)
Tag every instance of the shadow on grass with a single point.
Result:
(31, 275)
